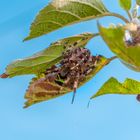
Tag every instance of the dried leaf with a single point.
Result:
(41, 90)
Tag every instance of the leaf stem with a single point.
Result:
(118, 16)
(111, 59)
(129, 15)
(96, 34)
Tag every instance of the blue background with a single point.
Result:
(110, 117)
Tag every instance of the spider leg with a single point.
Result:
(74, 90)
(67, 80)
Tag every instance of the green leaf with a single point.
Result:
(39, 62)
(113, 86)
(62, 13)
(41, 90)
(114, 38)
(125, 4)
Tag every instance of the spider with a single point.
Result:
(73, 68)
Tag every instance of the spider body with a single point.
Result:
(73, 68)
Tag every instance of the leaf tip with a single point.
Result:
(4, 76)
(25, 106)
(93, 97)
(26, 39)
